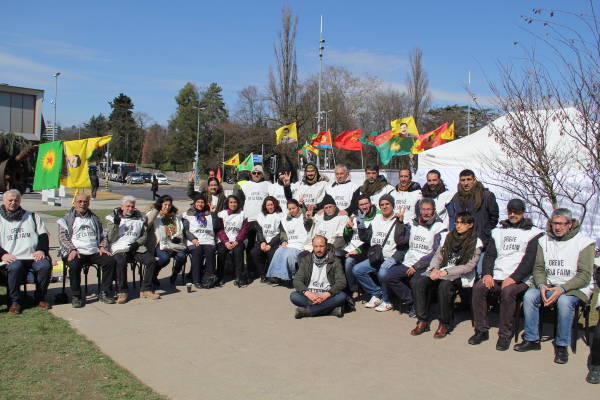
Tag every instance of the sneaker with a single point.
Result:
(77, 302)
(593, 375)
(106, 298)
(384, 306)
(338, 312)
(374, 302)
(149, 295)
(561, 355)
(503, 343)
(479, 337)
(122, 298)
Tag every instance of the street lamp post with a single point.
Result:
(55, 75)
(197, 161)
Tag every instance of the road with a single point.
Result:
(177, 191)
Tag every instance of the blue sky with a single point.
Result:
(149, 49)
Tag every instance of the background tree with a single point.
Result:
(435, 117)
(155, 140)
(213, 114)
(417, 83)
(125, 144)
(181, 142)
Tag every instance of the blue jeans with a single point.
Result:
(324, 308)
(164, 256)
(16, 274)
(283, 263)
(566, 311)
(362, 272)
(350, 279)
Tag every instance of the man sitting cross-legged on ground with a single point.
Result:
(507, 266)
(23, 246)
(422, 233)
(319, 282)
(83, 241)
(127, 235)
(562, 274)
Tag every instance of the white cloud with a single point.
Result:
(10, 61)
(367, 61)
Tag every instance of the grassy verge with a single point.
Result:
(43, 357)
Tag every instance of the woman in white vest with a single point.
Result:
(284, 189)
(168, 233)
(200, 226)
(268, 230)
(294, 240)
(452, 268)
(562, 274)
(234, 230)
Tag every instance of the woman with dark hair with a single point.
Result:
(214, 195)
(200, 226)
(452, 268)
(294, 239)
(268, 228)
(168, 238)
(232, 233)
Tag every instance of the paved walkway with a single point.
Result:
(227, 343)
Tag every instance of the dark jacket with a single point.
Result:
(94, 180)
(397, 235)
(335, 272)
(154, 184)
(486, 217)
(526, 265)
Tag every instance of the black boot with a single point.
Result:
(561, 355)
(479, 337)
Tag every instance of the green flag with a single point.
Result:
(397, 146)
(48, 166)
(368, 138)
(247, 164)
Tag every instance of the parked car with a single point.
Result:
(134, 177)
(162, 179)
(147, 177)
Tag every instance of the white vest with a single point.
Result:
(421, 241)
(20, 238)
(276, 190)
(255, 193)
(511, 244)
(311, 194)
(232, 224)
(331, 229)
(342, 193)
(380, 229)
(269, 224)
(85, 238)
(204, 234)
(355, 242)
(468, 279)
(408, 200)
(440, 206)
(375, 198)
(560, 259)
(130, 230)
(318, 280)
(297, 236)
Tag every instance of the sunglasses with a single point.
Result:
(256, 173)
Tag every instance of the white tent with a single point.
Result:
(481, 153)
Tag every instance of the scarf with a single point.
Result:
(473, 197)
(201, 218)
(524, 224)
(459, 247)
(12, 215)
(168, 221)
(328, 217)
(320, 262)
(412, 186)
(370, 188)
(432, 192)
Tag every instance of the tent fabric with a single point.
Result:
(480, 152)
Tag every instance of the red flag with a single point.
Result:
(383, 137)
(323, 140)
(349, 140)
(219, 174)
(431, 139)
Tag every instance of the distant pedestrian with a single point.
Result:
(95, 181)
(154, 187)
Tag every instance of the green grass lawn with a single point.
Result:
(61, 213)
(44, 358)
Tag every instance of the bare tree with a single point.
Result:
(251, 108)
(417, 83)
(283, 83)
(545, 169)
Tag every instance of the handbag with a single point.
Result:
(375, 253)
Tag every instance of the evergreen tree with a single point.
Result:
(125, 144)
(214, 113)
(181, 147)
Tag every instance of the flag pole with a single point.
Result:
(321, 48)
(362, 160)
(469, 107)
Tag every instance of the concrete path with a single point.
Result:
(231, 343)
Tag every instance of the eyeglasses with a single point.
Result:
(256, 173)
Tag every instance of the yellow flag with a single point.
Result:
(233, 161)
(76, 157)
(405, 126)
(286, 134)
(448, 134)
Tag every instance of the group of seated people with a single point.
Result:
(334, 242)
